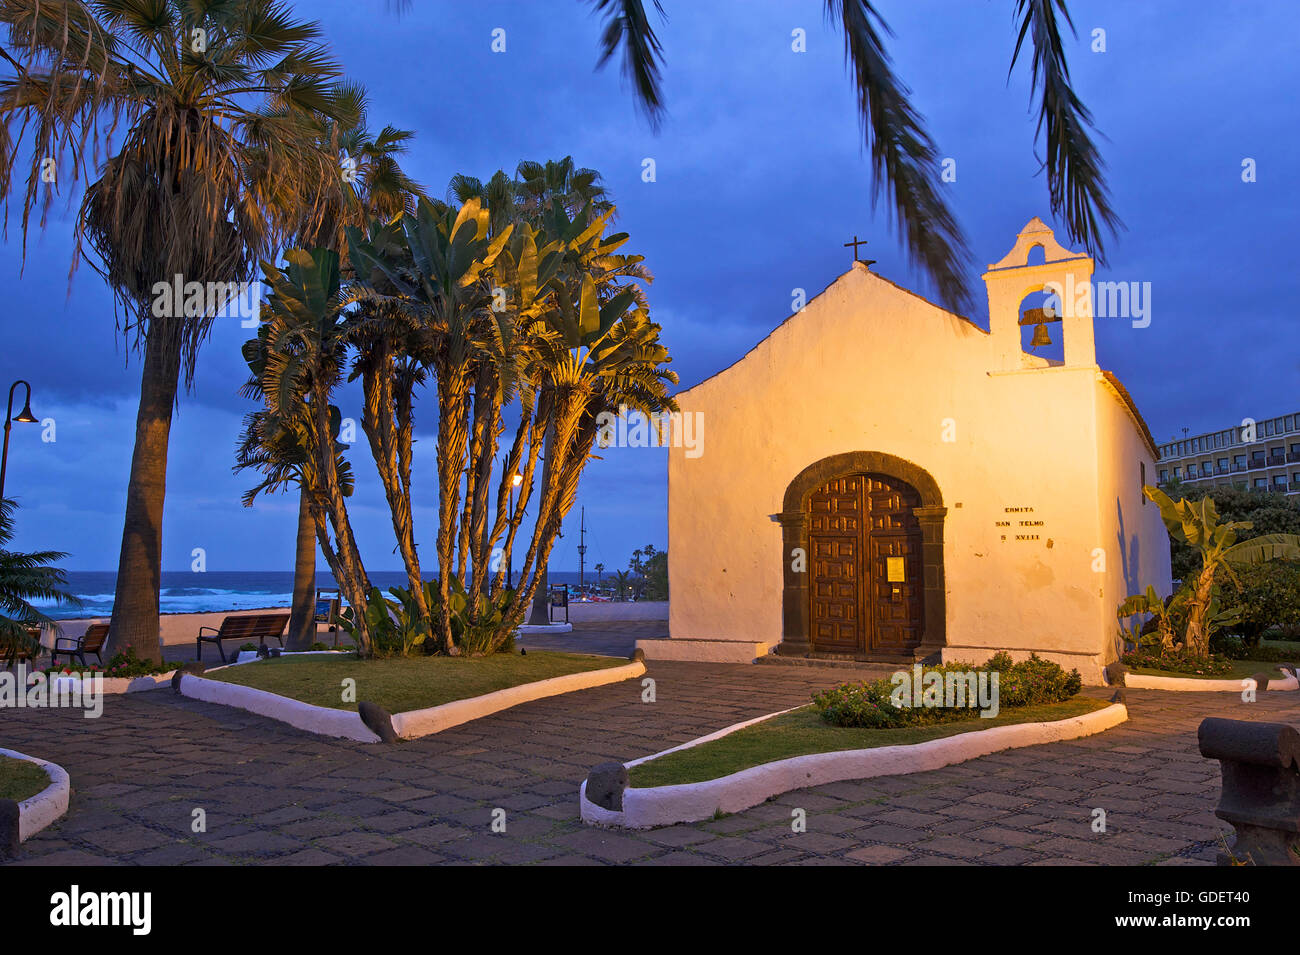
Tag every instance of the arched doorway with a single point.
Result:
(869, 527)
(864, 564)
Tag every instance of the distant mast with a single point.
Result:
(582, 548)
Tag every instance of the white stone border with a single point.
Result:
(413, 724)
(117, 685)
(1145, 681)
(321, 720)
(435, 719)
(693, 802)
(51, 803)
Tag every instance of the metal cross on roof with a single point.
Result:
(855, 243)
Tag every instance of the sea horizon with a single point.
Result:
(185, 591)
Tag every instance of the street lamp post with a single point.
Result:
(26, 417)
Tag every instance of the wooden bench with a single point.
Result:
(253, 627)
(92, 641)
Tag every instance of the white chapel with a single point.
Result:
(885, 480)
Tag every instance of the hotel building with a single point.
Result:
(1271, 462)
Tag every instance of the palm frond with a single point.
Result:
(627, 25)
(904, 162)
(1075, 170)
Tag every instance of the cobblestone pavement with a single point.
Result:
(272, 794)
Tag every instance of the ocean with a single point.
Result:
(188, 592)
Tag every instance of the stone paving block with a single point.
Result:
(733, 848)
(355, 843)
(257, 844)
(602, 844)
(878, 855)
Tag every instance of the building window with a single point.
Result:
(1261, 484)
(1290, 422)
(1239, 462)
(1279, 480)
(1223, 465)
(1164, 476)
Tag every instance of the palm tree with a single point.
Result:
(202, 110)
(436, 276)
(600, 569)
(904, 159)
(570, 341)
(24, 578)
(297, 363)
(371, 184)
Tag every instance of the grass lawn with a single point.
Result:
(803, 732)
(20, 779)
(1240, 670)
(399, 684)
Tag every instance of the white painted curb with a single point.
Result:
(37, 812)
(435, 719)
(692, 802)
(1144, 681)
(117, 685)
(541, 629)
(413, 724)
(250, 656)
(321, 720)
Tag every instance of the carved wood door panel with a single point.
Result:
(865, 561)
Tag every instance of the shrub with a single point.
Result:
(122, 664)
(1178, 661)
(1235, 648)
(1266, 596)
(871, 705)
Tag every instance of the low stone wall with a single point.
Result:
(179, 629)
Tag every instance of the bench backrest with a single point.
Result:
(92, 641)
(253, 626)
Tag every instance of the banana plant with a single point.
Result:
(1197, 524)
(1148, 603)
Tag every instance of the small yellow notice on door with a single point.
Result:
(894, 570)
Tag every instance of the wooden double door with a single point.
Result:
(865, 560)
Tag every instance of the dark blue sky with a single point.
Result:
(761, 177)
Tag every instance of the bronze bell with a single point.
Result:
(1039, 317)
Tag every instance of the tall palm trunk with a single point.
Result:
(302, 615)
(139, 569)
